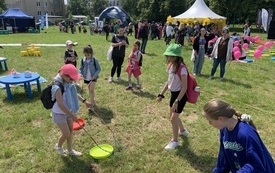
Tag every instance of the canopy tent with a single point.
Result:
(114, 12)
(17, 19)
(199, 12)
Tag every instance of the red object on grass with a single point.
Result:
(78, 125)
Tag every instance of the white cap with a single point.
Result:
(69, 42)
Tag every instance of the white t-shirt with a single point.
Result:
(169, 30)
(88, 76)
(174, 81)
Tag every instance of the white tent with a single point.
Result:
(199, 10)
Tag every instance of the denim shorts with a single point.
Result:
(58, 118)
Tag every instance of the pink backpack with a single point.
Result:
(192, 92)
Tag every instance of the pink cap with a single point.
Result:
(70, 70)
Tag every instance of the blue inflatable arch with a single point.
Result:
(115, 12)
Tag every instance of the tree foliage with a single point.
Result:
(3, 6)
(98, 6)
(78, 7)
(58, 7)
(235, 11)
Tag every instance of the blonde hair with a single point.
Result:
(216, 108)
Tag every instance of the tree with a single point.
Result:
(58, 7)
(98, 6)
(78, 7)
(130, 7)
(3, 6)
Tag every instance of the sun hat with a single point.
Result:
(71, 71)
(69, 42)
(173, 50)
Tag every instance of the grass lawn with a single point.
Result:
(143, 128)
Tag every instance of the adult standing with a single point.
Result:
(143, 34)
(200, 47)
(119, 42)
(169, 30)
(222, 52)
(180, 35)
(91, 27)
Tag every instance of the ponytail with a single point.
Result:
(245, 118)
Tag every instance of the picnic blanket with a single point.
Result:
(41, 80)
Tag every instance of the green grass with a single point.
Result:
(142, 127)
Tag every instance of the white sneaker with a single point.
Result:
(185, 133)
(172, 145)
(74, 153)
(110, 80)
(59, 150)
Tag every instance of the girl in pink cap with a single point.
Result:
(65, 109)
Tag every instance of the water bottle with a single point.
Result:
(197, 89)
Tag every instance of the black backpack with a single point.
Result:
(46, 95)
(140, 60)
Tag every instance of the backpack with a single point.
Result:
(46, 95)
(140, 60)
(192, 92)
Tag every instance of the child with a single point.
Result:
(241, 148)
(90, 69)
(133, 65)
(70, 54)
(178, 86)
(65, 109)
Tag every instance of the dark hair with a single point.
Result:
(216, 108)
(88, 49)
(137, 43)
(177, 62)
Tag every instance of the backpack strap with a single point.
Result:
(58, 83)
(95, 64)
(179, 70)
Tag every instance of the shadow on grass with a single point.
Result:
(234, 82)
(151, 54)
(76, 165)
(202, 162)
(144, 94)
(104, 114)
(21, 97)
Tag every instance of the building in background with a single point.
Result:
(37, 8)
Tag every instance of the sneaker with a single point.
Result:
(110, 80)
(119, 79)
(211, 77)
(59, 150)
(128, 87)
(74, 153)
(172, 145)
(222, 79)
(185, 133)
(137, 87)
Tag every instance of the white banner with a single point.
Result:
(264, 18)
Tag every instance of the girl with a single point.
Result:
(200, 47)
(70, 54)
(133, 65)
(177, 84)
(241, 148)
(119, 42)
(65, 109)
(90, 69)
